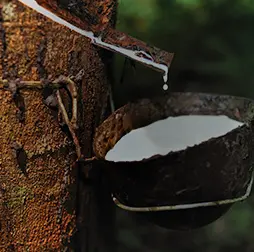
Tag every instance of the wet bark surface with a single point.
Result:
(90, 15)
(44, 204)
(96, 18)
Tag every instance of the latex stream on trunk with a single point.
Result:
(105, 37)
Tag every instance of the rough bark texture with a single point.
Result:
(37, 212)
(93, 16)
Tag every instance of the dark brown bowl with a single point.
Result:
(201, 182)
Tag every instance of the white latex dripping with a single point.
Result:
(98, 41)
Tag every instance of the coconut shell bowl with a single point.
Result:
(184, 189)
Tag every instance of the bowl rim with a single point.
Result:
(126, 113)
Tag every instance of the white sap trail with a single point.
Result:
(171, 134)
(34, 5)
(97, 40)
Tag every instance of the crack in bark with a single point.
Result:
(3, 46)
(40, 59)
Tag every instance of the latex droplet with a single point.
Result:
(165, 87)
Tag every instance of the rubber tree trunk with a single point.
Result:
(46, 203)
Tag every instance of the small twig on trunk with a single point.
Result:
(4, 84)
(71, 86)
(60, 82)
(69, 124)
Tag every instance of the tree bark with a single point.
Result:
(46, 203)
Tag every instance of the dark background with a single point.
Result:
(213, 42)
